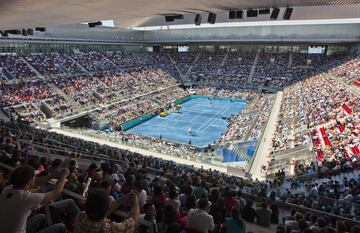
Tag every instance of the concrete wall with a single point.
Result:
(310, 33)
(333, 33)
(355, 48)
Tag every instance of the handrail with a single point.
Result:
(149, 169)
(337, 200)
(91, 156)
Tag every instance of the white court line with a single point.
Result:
(189, 122)
(205, 124)
(170, 127)
(192, 120)
(178, 128)
(180, 115)
(210, 124)
(183, 114)
(202, 131)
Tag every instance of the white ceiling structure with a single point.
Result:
(138, 13)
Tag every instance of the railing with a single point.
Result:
(90, 156)
(88, 159)
(150, 147)
(336, 203)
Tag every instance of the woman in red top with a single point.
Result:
(229, 202)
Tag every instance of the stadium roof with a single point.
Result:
(139, 13)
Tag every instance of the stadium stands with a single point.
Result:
(136, 118)
(135, 172)
(316, 109)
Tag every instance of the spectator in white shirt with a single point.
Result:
(199, 220)
(17, 202)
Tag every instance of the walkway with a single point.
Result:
(262, 154)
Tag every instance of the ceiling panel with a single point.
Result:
(29, 13)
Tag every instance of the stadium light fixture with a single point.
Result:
(239, 14)
(14, 31)
(211, 18)
(95, 24)
(198, 20)
(288, 12)
(264, 11)
(24, 32)
(252, 13)
(40, 29)
(172, 18)
(275, 13)
(232, 14)
(30, 31)
(4, 33)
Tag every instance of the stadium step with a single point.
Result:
(61, 93)
(3, 116)
(2, 75)
(253, 67)
(240, 154)
(255, 121)
(224, 60)
(290, 60)
(63, 69)
(181, 77)
(222, 64)
(108, 60)
(187, 74)
(38, 74)
(77, 63)
(7, 73)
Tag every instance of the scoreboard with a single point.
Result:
(317, 49)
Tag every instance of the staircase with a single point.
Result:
(188, 72)
(240, 154)
(230, 156)
(181, 77)
(3, 116)
(65, 71)
(290, 60)
(7, 73)
(61, 93)
(253, 67)
(38, 74)
(2, 73)
(111, 62)
(224, 60)
(255, 121)
(77, 63)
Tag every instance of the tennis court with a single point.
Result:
(206, 119)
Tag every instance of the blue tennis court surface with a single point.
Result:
(206, 118)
